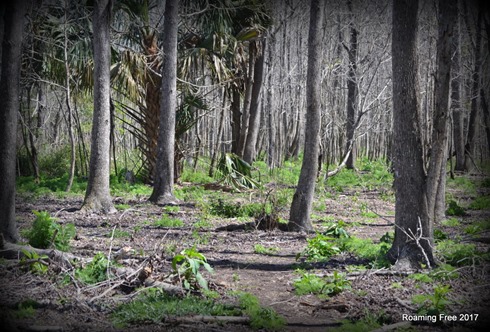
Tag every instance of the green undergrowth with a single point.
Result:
(323, 286)
(155, 306)
(47, 233)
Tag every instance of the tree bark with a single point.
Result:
(254, 112)
(438, 156)
(164, 172)
(469, 146)
(97, 196)
(299, 218)
(457, 111)
(13, 28)
(352, 93)
(412, 244)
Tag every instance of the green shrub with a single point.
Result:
(451, 222)
(454, 209)
(45, 232)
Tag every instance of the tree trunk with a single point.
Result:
(457, 111)
(12, 18)
(254, 112)
(98, 197)
(299, 218)
(469, 146)
(164, 172)
(412, 244)
(71, 172)
(438, 155)
(352, 94)
(235, 118)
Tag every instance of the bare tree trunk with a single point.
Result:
(411, 245)
(299, 218)
(352, 94)
(164, 173)
(12, 20)
(236, 115)
(97, 196)
(470, 142)
(71, 172)
(249, 151)
(457, 111)
(438, 156)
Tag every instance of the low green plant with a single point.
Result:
(374, 253)
(473, 229)
(94, 272)
(421, 277)
(444, 272)
(457, 254)
(260, 249)
(186, 266)
(260, 317)
(480, 203)
(45, 232)
(369, 322)
(433, 304)
(326, 286)
(320, 248)
(122, 206)
(171, 209)
(451, 222)
(25, 309)
(117, 233)
(153, 305)
(336, 229)
(454, 209)
(34, 262)
(439, 235)
(167, 221)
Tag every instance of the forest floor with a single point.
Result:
(376, 294)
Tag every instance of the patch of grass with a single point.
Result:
(122, 206)
(260, 249)
(462, 183)
(480, 203)
(197, 177)
(439, 235)
(118, 233)
(371, 321)
(167, 221)
(226, 209)
(458, 254)
(444, 272)
(153, 305)
(171, 209)
(50, 185)
(326, 286)
(375, 253)
(260, 317)
(451, 222)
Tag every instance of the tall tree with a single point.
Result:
(352, 93)
(412, 243)
(97, 196)
(299, 218)
(12, 17)
(164, 172)
(456, 105)
(436, 177)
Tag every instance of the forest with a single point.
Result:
(244, 165)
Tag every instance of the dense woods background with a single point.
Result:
(241, 84)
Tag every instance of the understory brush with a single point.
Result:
(309, 283)
(46, 232)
